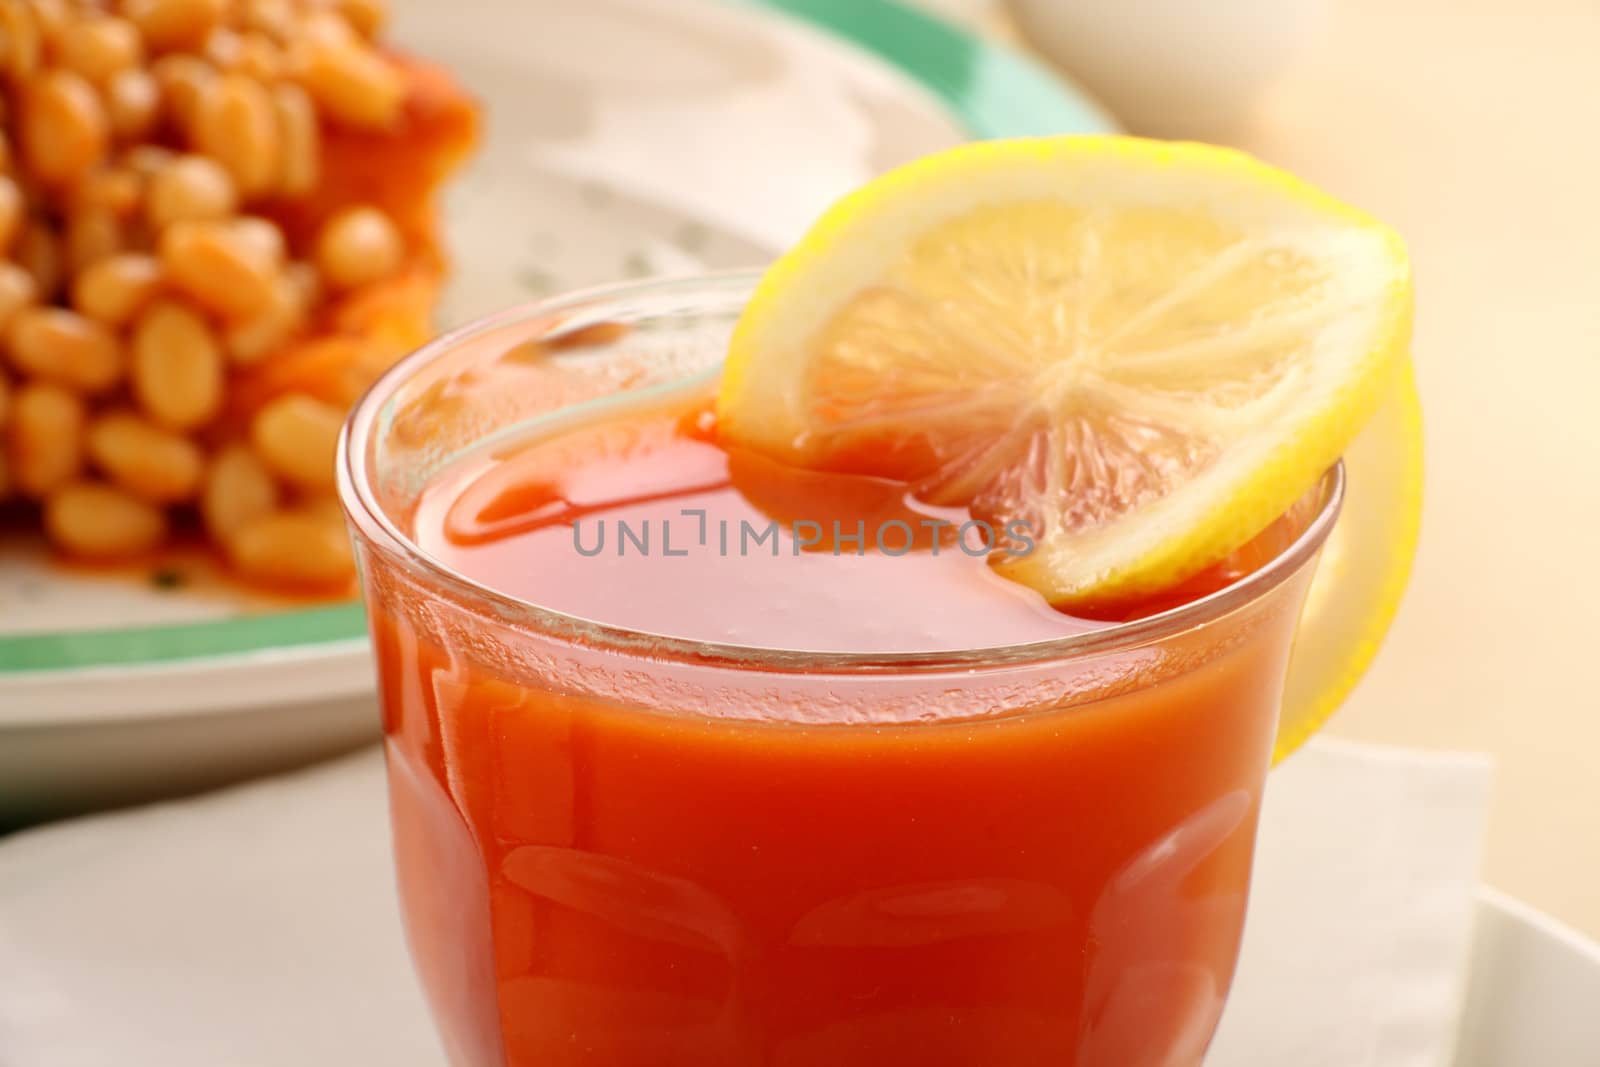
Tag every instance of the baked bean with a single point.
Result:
(263, 235)
(366, 17)
(275, 18)
(99, 46)
(177, 370)
(184, 81)
(221, 48)
(133, 102)
(17, 291)
(293, 548)
(5, 405)
(259, 57)
(238, 488)
(53, 344)
(37, 251)
(254, 339)
(149, 461)
(13, 210)
(91, 235)
(115, 190)
(146, 160)
(219, 266)
(350, 82)
(297, 436)
(169, 24)
(324, 25)
(21, 42)
(357, 246)
(114, 289)
(237, 125)
(301, 144)
(63, 127)
(99, 522)
(44, 437)
(53, 18)
(189, 188)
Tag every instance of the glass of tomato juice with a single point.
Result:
(813, 806)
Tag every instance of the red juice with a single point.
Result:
(618, 858)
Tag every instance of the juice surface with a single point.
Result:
(647, 523)
(589, 880)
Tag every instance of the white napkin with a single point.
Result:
(1356, 945)
(257, 927)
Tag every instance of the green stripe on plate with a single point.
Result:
(993, 90)
(159, 644)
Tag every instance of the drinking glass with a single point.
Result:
(626, 848)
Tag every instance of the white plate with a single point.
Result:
(624, 138)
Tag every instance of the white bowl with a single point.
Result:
(1172, 68)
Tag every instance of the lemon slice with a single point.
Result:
(1363, 569)
(1144, 351)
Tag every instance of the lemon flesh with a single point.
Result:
(1143, 351)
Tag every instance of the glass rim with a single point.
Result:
(373, 525)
